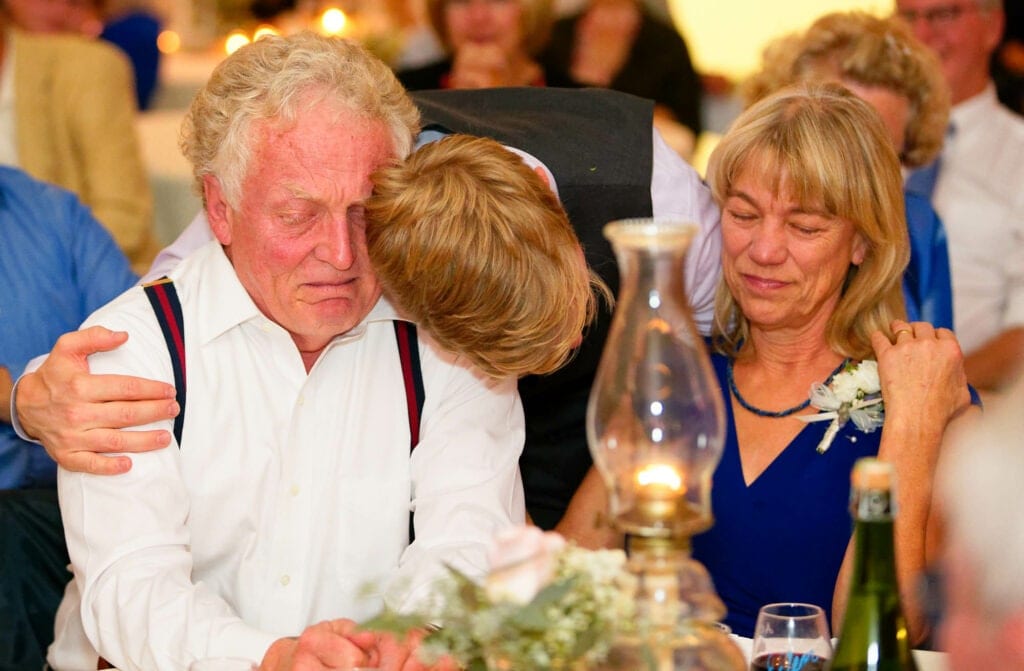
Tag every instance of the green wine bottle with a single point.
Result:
(874, 636)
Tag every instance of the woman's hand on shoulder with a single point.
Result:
(921, 370)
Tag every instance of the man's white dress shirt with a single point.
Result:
(980, 197)
(288, 501)
(677, 192)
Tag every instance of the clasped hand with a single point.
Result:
(340, 644)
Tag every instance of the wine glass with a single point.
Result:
(790, 637)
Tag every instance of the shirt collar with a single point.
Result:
(225, 304)
(975, 110)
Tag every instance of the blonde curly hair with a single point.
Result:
(870, 51)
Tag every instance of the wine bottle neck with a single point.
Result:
(874, 555)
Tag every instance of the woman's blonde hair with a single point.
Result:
(275, 78)
(870, 51)
(535, 23)
(473, 246)
(824, 147)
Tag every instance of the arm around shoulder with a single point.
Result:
(677, 192)
(465, 472)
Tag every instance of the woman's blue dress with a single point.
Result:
(783, 537)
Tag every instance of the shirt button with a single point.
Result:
(285, 580)
(302, 399)
(294, 490)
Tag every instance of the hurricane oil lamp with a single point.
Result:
(655, 428)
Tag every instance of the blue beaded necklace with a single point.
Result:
(781, 413)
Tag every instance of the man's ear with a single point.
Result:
(994, 29)
(218, 211)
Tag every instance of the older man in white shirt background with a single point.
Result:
(978, 187)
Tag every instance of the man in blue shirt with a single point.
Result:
(57, 265)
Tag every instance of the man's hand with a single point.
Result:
(401, 655)
(334, 644)
(76, 415)
(340, 644)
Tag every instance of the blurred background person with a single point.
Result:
(975, 186)
(67, 116)
(489, 43)
(419, 44)
(981, 496)
(619, 44)
(57, 265)
(54, 16)
(882, 63)
(131, 25)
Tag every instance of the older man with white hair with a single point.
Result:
(285, 498)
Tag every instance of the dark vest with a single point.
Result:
(597, 143)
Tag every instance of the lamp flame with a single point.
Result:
(661, 476)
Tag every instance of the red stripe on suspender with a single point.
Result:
(179, 341)
(410, 387)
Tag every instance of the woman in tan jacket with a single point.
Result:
(72, 122)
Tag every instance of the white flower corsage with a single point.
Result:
(853, 393)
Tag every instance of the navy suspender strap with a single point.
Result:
(412, 377)
(164, 299)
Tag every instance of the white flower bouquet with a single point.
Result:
(545, 604)
(855, 394)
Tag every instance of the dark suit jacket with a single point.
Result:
(598, 145)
